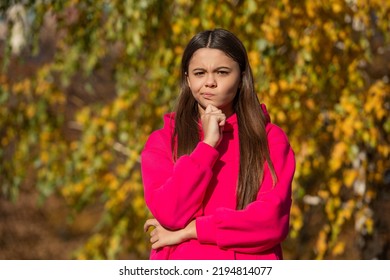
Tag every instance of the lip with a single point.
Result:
(207, 95)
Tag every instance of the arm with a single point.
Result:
(174, 191)
(161, 237)
(265, 222)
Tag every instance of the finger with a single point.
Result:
(219, 117)
(156, 245)
(149, 223)
(153, 232)
(154, 239)
(222, 120)
(214, 109)
(209, 109)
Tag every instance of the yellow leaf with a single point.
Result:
(281, 116)
(338, 154)
(323, 194)
(311, 9)
(349, 177)
(310, 104)
(195, 22)
(283, 84)
(176, 28)
(334, 186)
(369, 225)
(273, 88)
(338, 249)
(178, 50)
(336, 7)
(254, 58)
(322, 244)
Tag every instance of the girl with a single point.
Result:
(217, 177)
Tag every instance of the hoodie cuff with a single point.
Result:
(204, 154)
(206, 229)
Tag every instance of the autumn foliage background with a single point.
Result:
(83, 84)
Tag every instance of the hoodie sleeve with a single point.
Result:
(264, 223)
(174, 191)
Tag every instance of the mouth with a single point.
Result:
(207, 95)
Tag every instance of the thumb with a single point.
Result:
(222, 122)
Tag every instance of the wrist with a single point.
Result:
(190, 231)
(210, 143)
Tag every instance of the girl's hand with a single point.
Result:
(213, 121)
(161, 237)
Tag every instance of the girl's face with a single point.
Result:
(213, 78)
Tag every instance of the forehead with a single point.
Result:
(211, 57)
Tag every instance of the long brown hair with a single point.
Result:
(250, 117)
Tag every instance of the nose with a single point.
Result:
(210, 81)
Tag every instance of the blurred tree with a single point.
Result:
(85, 82)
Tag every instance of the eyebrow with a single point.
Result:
(216, 69)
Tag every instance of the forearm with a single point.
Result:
(161, 237)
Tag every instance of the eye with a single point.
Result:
(198, 74)
(222, 72)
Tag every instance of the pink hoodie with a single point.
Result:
(202, 186)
